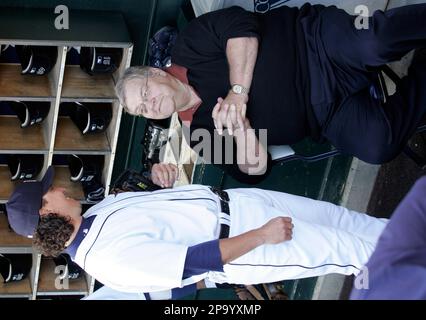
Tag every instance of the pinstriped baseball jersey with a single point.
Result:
(140, 240)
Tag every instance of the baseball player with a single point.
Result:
(155, 241)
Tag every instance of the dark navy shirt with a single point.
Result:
(279, 98)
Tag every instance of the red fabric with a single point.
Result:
(180, 73)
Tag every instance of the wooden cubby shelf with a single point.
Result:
(15, 139)
(79, 86)
(6, 186)
(14, 86)
(18, 289)
(8, 238)
(56, 136)
(48, 277)
(69, 139)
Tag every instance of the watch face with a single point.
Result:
(237, 89)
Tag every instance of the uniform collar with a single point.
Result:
(85, 225)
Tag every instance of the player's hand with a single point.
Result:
(230, 113)
(276, 230)
(164, 175)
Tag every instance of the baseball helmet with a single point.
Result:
(15, 267)
(30, 112)
(24, 166)
(3, 48)
(90, 117)
(85, 167)
(93, 190)
(71, 268)
(37, 60)
(96, 60)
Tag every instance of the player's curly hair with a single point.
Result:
(52, 233)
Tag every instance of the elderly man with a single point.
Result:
(156, 241)
(295, 72)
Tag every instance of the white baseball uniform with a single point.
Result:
(138, 241)
(106, 293)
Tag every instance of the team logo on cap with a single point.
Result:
(15, 267)
(25, 166)
(30, 112)
(37, 60)
(96, 60)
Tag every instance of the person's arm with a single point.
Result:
(241, 54)
(211, 145)
(252, 157)
(275, 231)
(212, 255)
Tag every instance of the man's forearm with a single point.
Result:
(241, 54)
(252, 157)
(235, 247)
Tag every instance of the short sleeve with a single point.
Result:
(206, 36)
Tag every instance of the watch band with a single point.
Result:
(239, 89)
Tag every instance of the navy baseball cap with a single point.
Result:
(24, 204)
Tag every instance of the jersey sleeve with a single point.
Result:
(206, 36)
(203, 257)
(150, 266)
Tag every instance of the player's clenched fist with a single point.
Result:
(276, 230)
(164, 175)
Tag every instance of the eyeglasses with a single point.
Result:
(144, 95)
(145, 92)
